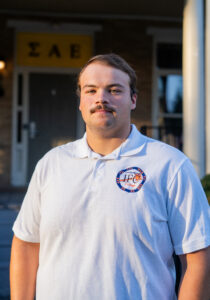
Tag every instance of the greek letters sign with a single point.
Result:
(53, 50)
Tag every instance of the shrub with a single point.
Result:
(206, 185)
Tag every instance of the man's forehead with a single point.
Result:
(99, 72)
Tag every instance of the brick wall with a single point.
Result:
(126, 38)
(130, 40)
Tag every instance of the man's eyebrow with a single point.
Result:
(109, 85)
(115, 85)
(88, 86)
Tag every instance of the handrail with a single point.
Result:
(171, 135)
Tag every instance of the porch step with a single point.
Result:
(11, 198)
(7, 218)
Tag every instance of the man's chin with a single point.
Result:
(102, 124)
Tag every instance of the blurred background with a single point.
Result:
(43, 45)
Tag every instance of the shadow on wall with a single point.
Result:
(4, 167)
(2, 159)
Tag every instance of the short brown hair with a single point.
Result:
(115, 61)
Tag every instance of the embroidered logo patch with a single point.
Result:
(131, 179)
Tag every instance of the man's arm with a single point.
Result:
(23, 268)
(195, 281)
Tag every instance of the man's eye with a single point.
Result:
(115, 91)
(90, 91)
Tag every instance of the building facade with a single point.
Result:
(44, 52)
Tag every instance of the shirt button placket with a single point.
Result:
(97, 175)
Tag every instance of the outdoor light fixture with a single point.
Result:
(2, 63)
(2, 68)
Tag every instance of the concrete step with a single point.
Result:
(7, 218)
(10, 202)
(11, 198)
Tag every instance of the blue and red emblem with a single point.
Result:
(131, 179)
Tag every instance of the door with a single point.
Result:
(52, 114)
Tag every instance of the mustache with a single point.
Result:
(104, 107)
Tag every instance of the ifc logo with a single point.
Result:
(131, 179)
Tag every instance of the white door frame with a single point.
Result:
(20, 148)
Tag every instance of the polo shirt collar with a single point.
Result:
(132, 145)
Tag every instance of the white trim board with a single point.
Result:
(93, 16)
(54, 27)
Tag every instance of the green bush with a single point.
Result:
(206, 185)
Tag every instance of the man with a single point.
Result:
(103, 215)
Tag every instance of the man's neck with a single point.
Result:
(105, 144)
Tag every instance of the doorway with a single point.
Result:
(45, 115)
(52, 114)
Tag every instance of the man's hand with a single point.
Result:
(23, 268)
(195, 281)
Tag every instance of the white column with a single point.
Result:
(193, 74)
(208, 86)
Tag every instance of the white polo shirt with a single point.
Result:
(108, 226)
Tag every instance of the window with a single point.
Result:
(170, 108)
(169, 56)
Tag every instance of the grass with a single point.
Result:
(206, 185)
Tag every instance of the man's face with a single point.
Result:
(105, 100)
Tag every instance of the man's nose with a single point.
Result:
(102, 96)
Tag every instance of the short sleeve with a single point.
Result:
(26, 226)
(188, 211)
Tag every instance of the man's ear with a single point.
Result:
(133, 101)
(79, 104)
